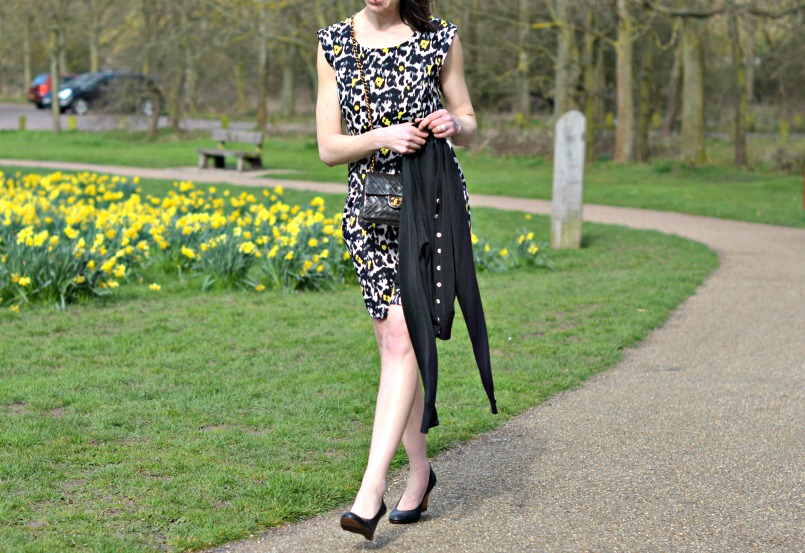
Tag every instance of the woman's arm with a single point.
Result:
(459, 117)
(335, 147)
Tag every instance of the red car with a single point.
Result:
(42, 85)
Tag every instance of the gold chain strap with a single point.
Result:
(358, 57)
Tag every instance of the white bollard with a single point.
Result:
(568, 181)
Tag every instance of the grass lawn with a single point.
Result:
(716, 191)
(176, 419)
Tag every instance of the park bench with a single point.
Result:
(254, 158)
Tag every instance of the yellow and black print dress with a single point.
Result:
(404, 84)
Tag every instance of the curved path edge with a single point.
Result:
(694, 442)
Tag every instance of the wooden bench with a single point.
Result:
(254, 158)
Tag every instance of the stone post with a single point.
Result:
(568, 181)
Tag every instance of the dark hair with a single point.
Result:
(416, 14)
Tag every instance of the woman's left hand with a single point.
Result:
(441, 123)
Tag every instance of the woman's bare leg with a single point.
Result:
(399, 381)
(416, 449)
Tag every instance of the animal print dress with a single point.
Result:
(404, 84)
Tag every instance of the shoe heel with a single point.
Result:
(425, 502)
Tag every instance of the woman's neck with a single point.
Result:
(381, 21)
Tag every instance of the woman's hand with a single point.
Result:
(441, 123)
(404, 138)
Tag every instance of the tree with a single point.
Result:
(95, 13)
(592, 86)
(739, 88)
(51, 18)
(624, 134)
(566, 58)
(674, 93)
(694, 149)
(644, 102)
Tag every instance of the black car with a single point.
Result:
(112, 91)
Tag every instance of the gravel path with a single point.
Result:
(694, 442)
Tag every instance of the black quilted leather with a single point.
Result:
(382, 199)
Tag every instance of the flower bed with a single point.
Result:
(64, 237)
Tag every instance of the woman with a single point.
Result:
(408, 58)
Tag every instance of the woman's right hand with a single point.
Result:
(405, 138)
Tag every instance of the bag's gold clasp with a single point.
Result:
(395, 201)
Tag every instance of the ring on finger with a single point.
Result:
(443, 127)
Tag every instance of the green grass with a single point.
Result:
(167, 149)
(717, 191)
(178, 420)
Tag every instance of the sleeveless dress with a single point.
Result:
(404, 84)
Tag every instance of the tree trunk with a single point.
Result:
(262, 72)
(470, 25)
(751, 54)
(644, 103)
(288, 97)
(53, 53)
(240, 83)
(566, 38)
(624, 133)
(522, 103)
(94, 31)
(191, 82)
(601, 84)
(693, 124)
(63, 67)
(739, 91)
(175, 116)
(591, 87)
(27, 75)
(148, 62)
(674, 94)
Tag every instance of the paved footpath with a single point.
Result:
(694, 442)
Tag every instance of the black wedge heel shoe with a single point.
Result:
(408, 517)
(366, 528)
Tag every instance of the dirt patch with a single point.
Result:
(17, 408)
(58, 412)
(73, 484)
(214, 427)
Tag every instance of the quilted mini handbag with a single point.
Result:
(382, 192)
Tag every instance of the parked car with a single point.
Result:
(112, 91)
(41, 85)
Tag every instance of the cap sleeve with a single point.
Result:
(445, 33)
(326, 40)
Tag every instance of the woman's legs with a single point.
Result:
(399, 397)
(414, 442)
